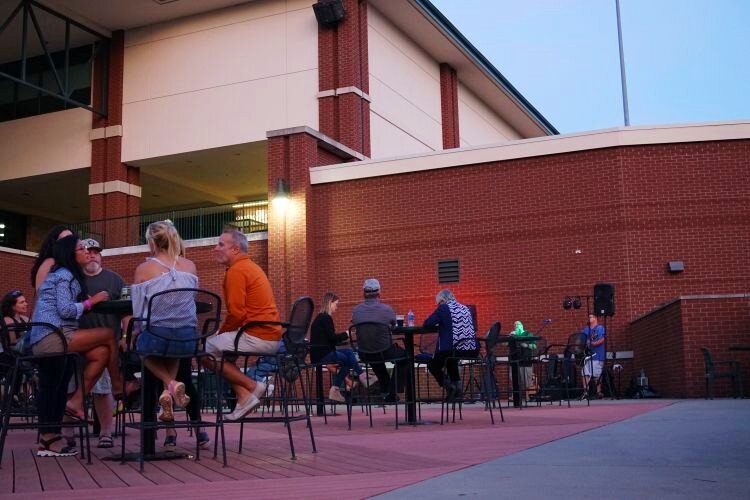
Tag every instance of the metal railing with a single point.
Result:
(194, 223)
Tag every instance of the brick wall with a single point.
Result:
(528, 232)
(667, 343)
(343, 62)
(449, 106)
(106, 153)
(16, 274)
(659, 349)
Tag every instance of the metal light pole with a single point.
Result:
(622, 68)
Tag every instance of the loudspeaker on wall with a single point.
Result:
(604, 299)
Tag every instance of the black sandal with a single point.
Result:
(105, 442)
(45, 451)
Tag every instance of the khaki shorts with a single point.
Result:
(51, 343)
(225, 342)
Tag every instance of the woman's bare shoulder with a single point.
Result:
(147, 270)
(187, 265)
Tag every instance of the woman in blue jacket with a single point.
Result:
(457, 335)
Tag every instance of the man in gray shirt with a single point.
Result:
(379, 341)
(98, 279)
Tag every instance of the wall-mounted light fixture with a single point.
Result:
(281, 197)
(675, 266)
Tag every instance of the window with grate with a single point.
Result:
(448, 271)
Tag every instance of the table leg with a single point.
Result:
(411, 405)
(513, 357)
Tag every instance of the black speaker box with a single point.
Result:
(329, 12)
(604, 299)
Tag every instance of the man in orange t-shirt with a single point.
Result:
(248, 297)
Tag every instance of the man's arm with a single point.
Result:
(599, 335)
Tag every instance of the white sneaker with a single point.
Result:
(243, 409)
(269, 386)
(260, 389)
(335, 395)
(364, 380)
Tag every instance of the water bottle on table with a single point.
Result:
(410, 318)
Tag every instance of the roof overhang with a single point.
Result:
(435, 34)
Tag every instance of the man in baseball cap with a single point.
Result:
(92, 244)
(374, 311)
(98, 279)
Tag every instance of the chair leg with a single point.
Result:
(395, 385)
(6, 407)
(367, 392)
(308, 409)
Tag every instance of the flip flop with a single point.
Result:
(73, 416)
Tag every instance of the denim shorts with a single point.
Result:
(175, 341)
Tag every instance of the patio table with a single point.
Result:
(513, 342)
(408, 333)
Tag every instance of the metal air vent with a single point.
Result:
(448, 271)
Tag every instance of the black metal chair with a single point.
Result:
(493, 394)
(54, 371)
(427, 346)
(208, 314)
(367, 339)
(315, 375)
(291, 365)
(468, 362)
(573, 358)
(713, 371)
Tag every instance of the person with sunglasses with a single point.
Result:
(61, 301)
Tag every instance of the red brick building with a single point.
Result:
(402, 147)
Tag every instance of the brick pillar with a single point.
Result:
(290, 248)
(449, 106)
(114, 189)
(343, 79)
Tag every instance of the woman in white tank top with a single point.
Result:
(174, 318)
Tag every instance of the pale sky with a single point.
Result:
(686, 61)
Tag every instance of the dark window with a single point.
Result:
(19, 101)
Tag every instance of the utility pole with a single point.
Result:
(622, 68)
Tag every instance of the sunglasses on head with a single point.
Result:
(15, 293)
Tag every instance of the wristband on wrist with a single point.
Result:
(87, 304)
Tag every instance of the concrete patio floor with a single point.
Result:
(626, 449)
(690, 449)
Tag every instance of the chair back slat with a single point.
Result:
(372, 337)
(493, 335)
(184, 308)
(576, 344)
(299, 322)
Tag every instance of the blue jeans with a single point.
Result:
(264, 366)
(347, 360)
(181, 341)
